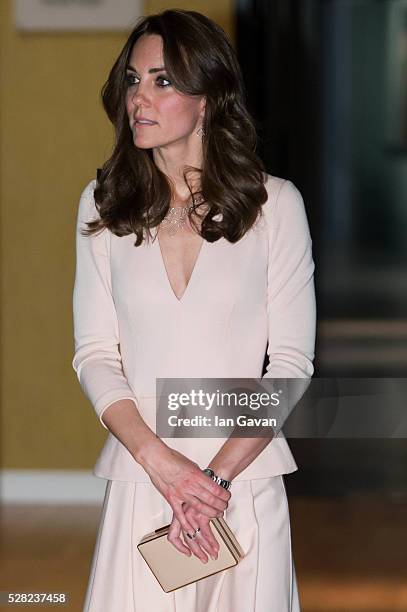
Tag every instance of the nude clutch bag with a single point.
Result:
(174, 570)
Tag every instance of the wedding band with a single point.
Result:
(191, 537)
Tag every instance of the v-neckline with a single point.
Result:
(197, 262)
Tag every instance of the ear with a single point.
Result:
(202, 106)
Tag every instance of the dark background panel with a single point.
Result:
(326, 83)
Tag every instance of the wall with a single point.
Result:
(53, 137)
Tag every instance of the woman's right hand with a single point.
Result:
(181, 480)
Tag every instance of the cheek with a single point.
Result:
(179, 112)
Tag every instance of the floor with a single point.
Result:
(350, 552)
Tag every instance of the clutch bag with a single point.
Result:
(174, 570)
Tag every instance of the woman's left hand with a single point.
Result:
(203, 542)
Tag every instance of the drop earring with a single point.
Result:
(200, 131)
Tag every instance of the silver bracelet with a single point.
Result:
(225, 484)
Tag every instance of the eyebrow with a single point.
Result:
(151, 71)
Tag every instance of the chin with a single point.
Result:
(147, 143)
(142, 145)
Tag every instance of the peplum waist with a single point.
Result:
(115, 462)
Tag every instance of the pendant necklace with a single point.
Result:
(176, 217)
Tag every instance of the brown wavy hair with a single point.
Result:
(132, 194)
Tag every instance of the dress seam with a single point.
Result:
(96, 553)
(289, 543)
(258, 546)
(132, 546)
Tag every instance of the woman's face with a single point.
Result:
(173, 118)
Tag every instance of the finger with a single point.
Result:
(204, 537)
(195, 547)
(207, 536)
(180, 514)
(211, 500)
(206, 546)
(174, 538)
(202, 507)
(192, 539)
(212, 493)
(213, 487)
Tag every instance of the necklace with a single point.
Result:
(177, 216)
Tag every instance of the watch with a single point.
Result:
(226, 484)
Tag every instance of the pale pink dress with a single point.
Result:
(242, 299)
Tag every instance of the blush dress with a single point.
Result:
(242, 300)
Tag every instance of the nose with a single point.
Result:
(140, 97)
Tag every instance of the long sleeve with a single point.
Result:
(97, 360)
(290, 295)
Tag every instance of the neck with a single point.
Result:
(173, 159)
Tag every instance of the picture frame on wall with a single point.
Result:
(76, 15)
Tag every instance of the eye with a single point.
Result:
(161, 83)
(131, 79)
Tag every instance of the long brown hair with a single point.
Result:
(132, 195)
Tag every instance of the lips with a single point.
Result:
(139, 122)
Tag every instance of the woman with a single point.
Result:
(191, 263)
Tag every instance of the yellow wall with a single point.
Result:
(54, 135)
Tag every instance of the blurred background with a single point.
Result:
(326, 83)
